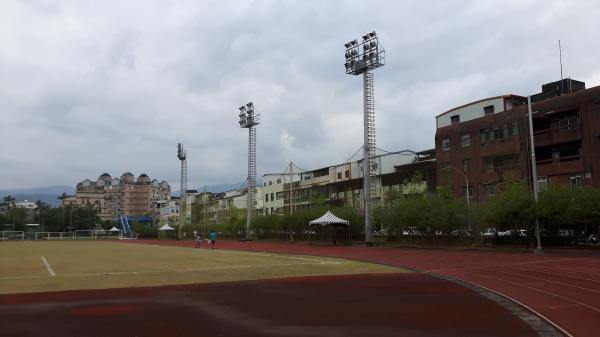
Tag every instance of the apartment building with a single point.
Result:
(113, 197)
(485, 144)
(208, 207)
(341, 185)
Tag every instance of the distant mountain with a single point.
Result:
(48, 194)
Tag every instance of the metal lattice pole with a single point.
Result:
(369, 152)
(251, 178)
(248, 119)
(182, 156)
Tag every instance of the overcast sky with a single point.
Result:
(110, 86)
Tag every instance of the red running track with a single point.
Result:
(564, 289)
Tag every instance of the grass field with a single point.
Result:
(36, 266)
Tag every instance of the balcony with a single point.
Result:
(562, 165)
(500, 146)
(556, 136)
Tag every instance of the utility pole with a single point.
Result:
(362, 62)
(534, 182)
(249, 118)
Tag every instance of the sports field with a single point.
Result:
(41, 266)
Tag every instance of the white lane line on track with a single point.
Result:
(503, 265)
(541, 291)
(552, 272)
(50, 270)
(543, 279)
(176, 270)
(524, 306)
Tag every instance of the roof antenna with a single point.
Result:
(562, 85)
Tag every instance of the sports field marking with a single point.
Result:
(50, 271)
(543, 291)
(546, 280)
(504, 264)
(174, 270)
(552, 272)
(272, 255)
(524, 306)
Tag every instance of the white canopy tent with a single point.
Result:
(329, 219)
(114, 229)
(166, 227)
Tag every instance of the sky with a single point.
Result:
(88, 87)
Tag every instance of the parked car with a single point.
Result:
(514, 232)
(489, 233)
(461, 233)
(412, 231)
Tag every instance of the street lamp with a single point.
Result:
(249, 118)
(534, 182)
(468, 192)
(362, 58)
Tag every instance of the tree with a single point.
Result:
(511, 209)
(62, 198)
(9, 200)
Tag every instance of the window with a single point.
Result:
(498, 133)
(272, 197)
(347, 174)
(446, 165)
(488, 189)
(576, 180)
(468, 196)
(267, 197)
(467, 165)
(484, 135)
(568, 123)
(339, 175)
(455, 119)
(542, 183)
(488, 109)
(445, 144)
(279, 181)
(512, 130)
(488, 165)
(465, 140)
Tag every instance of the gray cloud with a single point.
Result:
(88, 87)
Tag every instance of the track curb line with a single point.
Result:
(538, 322)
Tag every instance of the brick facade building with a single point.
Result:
(486, 143)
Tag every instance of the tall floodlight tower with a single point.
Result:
(362, 58)
(248, 120)
(182, 156)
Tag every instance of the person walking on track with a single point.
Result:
(213, 238)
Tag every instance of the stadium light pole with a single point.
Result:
(249, 118)
(362, 58)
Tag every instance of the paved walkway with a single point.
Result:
(564, 289)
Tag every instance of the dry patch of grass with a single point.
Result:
(99, 264)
